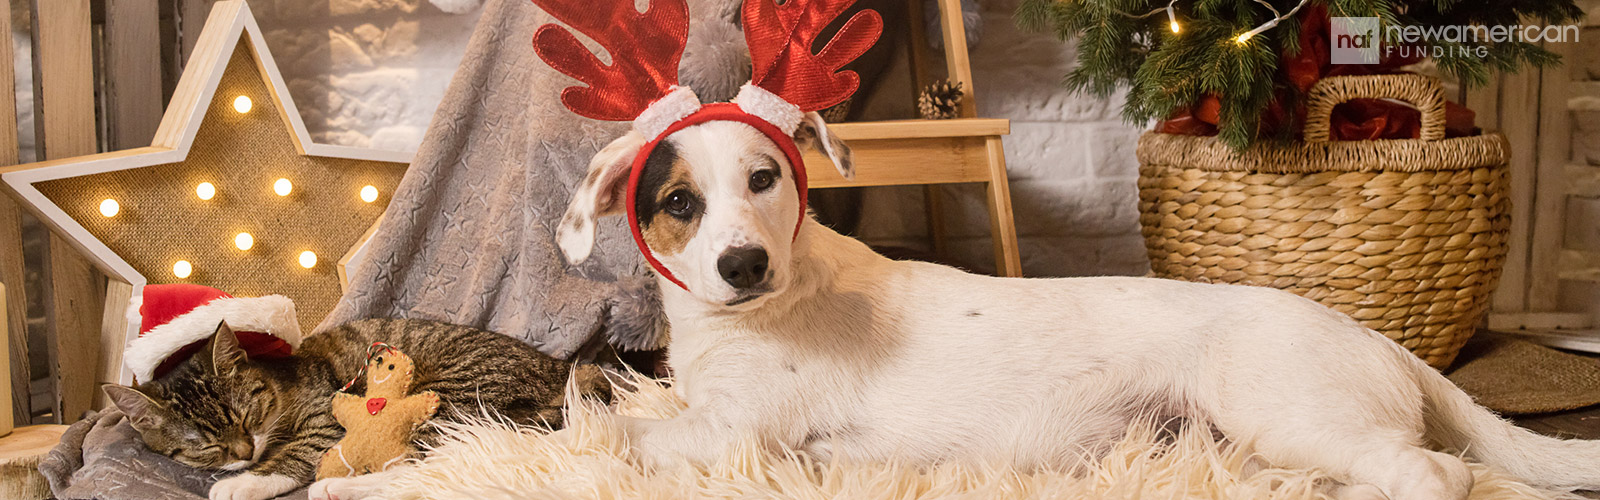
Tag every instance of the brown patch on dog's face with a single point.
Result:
(668, 204)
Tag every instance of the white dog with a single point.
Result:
(811, 340)
(818, 343)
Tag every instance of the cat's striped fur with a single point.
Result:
(218, 410)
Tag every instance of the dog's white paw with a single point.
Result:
(251, 486)
(352, 488)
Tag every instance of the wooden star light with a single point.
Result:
(232, 193)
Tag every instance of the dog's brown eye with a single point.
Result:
(680, 204)
(761, 180)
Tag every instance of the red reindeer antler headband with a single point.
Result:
(641, 83)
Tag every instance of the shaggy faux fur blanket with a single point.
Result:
(589, 460)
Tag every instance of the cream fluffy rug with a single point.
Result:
(588, 460)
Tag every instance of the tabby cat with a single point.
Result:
(220, 410)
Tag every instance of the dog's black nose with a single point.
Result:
(743, 267)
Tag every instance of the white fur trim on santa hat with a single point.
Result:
(676, 105)
(767, 105)
(272, 314)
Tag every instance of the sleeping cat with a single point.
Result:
(272, 418)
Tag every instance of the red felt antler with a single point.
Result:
(780, 39)
(644, 48)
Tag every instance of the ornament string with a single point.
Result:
(1172, 17)
(372, 351)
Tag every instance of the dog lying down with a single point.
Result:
(812, 341)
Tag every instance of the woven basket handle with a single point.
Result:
(1421, 91)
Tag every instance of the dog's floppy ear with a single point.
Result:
(603, 192)
(814, 134)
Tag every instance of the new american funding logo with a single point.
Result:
(1358, 40)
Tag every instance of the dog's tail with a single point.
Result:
(1455, 422)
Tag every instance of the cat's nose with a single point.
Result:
(242, 450)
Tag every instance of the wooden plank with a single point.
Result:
(1576, 340)
(1002, 227)
(1519, 118)
(8, 106)
(1582, 180)
(900, 162)
(1540, 321)
(192, 17)
(113, 339)
(933, 211)
(955, 53)
(1550, 199)
(201, 53)
(63, 78)
(917, 51)
(64, 100)
(355, 252)
(1484, 100)
(912, 129)
(13, 272)
(1578, 265)
(7, 421)
(14, 367)
(77, 299)
(133, 67)
(30, 441)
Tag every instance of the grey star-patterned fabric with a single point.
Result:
(469, 236)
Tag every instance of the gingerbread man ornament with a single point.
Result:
(378, 426)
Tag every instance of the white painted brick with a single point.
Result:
(1018, 75)
(1586, 137)
(1047, 150)
(1112, 148)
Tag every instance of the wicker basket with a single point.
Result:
(1406, 236)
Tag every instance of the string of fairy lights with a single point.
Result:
(243, 241)
(1172, 18)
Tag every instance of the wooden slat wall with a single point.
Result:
(133, 72)
(1514, 99)
(6, 418)
(64, 104)
(1554, 150)
(12, 272)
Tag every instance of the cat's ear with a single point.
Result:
(143, 413)
(226, 355)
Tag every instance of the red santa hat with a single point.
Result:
(176, 320)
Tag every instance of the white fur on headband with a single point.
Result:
(676, 105)
(767, 105)
(272, 314)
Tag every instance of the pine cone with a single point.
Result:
(940, 100)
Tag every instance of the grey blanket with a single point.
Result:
(469, 235)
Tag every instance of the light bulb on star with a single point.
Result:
(282, 186)
(369, 193)
(109, 207)
(182, 269)
(205, 190)
(242, 104)
(308, 259)
(244, 241)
